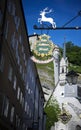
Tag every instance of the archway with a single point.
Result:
(78, 127)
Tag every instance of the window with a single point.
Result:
(24, 57)
(13, 41)
(32, 78)
(20, 39)
(29, 91)
(18, 60)
(23, 126)
(17, 121)
(20, 69)
(30, 73)
(18, 93)
(12, 114)
(25, 62)
(2, 64)
(16, 44)
(15, 81)
(62, 70)
(1, 17)
(27, 109)
(6, 29)
(6, 107)
(10, 73)
(17, 53)
(27, 86)
(22, 101)
(30, 113)
(17, 49)
(17, 22)
(25, 77)
(23, 74)
(25, 106)
(11, 8)
(36, 98)
(22, 49)
(21, 97)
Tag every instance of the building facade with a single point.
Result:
(17, 88)
(34, 99)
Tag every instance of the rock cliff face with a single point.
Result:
(46, 75)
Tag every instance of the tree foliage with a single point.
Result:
(73, 53)
(52, 111)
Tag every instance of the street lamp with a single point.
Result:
(72, 77)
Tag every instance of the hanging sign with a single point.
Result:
(46, 19)
(42, 51)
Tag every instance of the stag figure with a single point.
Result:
(45, 19)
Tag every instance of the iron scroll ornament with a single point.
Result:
(65, 116)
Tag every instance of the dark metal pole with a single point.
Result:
(70, 21)
(57, 28)
(79, 14)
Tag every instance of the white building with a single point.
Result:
(68, 96)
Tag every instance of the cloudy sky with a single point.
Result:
(63, 11)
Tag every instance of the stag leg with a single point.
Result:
(39, 20)
(54, 25)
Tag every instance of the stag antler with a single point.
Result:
(48, 10)
(45, 9)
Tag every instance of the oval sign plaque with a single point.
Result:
(42, 51)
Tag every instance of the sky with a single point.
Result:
(62, 12)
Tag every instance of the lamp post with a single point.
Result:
(72, 77)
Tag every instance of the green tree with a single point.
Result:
(52, 111)
(69, 46)
(73, 53)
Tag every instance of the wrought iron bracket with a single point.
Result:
(46, 27)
